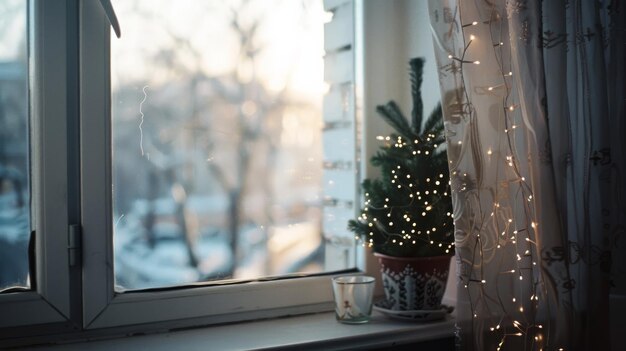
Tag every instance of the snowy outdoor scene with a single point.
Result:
(217, 146)
(216, 116)
(14, 168)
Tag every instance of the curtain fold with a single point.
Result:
(533, 99)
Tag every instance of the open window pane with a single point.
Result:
(217, 140)
(14, 148)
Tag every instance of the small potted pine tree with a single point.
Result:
(406, 216)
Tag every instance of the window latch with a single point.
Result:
(74, 246)
(111, 16)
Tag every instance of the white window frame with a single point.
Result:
(198, 305)
(48, 306)
(80, 301)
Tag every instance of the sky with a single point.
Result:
(290, 42)
(12, 29)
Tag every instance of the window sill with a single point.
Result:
(307, 332)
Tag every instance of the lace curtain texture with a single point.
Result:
(534, 109)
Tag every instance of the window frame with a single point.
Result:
(198, 305)
(48, 305)
(69, 110)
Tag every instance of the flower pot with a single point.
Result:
(414, 283)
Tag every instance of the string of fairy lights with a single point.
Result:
(503, 223)
(439, 189)
(514, 222)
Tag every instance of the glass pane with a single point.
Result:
(14, 150)
(217, 140)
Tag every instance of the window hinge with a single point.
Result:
(74, 244)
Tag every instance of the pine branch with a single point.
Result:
(392, 114)
(417, 67)
(434, 123)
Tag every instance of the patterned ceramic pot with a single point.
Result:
(414, 283)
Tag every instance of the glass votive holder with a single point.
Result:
(353, 298)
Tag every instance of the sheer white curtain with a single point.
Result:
(534, 105)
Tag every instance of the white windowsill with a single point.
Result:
(314, 331)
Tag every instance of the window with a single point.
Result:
(217, 141)
(181, 128)
(121, 160)
(35, 139)
(14, 165)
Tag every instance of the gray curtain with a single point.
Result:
(534, 106)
